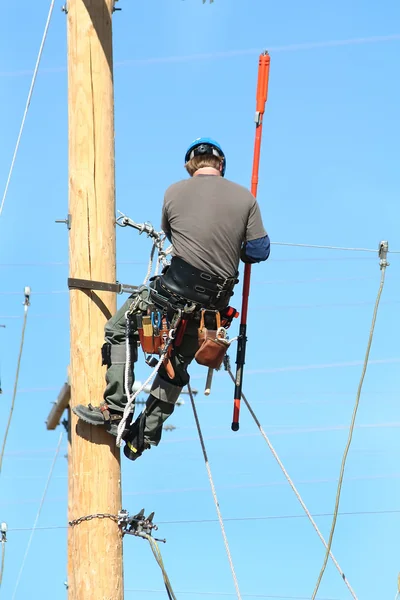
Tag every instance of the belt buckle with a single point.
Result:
(221, 287)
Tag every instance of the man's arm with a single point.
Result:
(164, 222)
(256, 251)
(257, 244)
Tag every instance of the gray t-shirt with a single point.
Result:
(207, 218)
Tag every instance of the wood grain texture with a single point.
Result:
(94, 547)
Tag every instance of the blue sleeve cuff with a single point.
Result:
(256, 250)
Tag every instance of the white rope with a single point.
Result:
(38, 515)
(292, 485)
(352, 424)
(214, 493)
(35, 72)
(132, 398)
(150, 265)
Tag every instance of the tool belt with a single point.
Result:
(185, 281)
(180, 293)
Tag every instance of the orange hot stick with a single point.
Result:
(261, 99)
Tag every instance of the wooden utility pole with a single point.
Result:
(94, 546)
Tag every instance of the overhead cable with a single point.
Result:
(352, 513)
(26, 306)
(291, 244)
(37, 515)
(3, 540)
(383, 265)
(297, 494)
(214, 493)
(229, 53)
(226, 594)
(35, 72)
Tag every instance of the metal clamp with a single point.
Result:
(3, 532)
(138, 525)
(383, 250)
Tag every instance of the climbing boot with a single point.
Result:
(100, 415)
(135, 442)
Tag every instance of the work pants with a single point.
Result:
(164, 391)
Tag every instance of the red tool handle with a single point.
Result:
(261, 99)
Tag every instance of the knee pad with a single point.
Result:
(115, 354)
(165, 391)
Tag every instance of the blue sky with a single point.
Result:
(329, 175)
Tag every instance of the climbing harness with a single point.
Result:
(261, 99)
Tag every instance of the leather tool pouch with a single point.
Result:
(212, 342)
(150, 338)
(153, 339)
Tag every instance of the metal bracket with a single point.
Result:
(383, 250)
(114, 8)
(87, 284)
(138, 525)
(67, 221)
(65, 8)
(3, 532)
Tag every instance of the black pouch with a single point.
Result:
(106, 354)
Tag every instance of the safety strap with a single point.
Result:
(87, 284)
(217, 317)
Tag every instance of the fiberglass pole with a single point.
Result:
(261, 99)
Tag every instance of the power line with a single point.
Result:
(38, 515)
(35, 72)
(255, 282)
(241, 519)
(228, 54)
(26, 306)
(353, 363)
(3, 556)
(344, 248)
(296, 492)
(3, 550)
(383, 266)
(266, 307)
(355, 478)
(225, 594)
(272, 259)
(214, 493)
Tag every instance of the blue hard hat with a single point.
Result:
(205, 145)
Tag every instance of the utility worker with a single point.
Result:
(212, 223)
